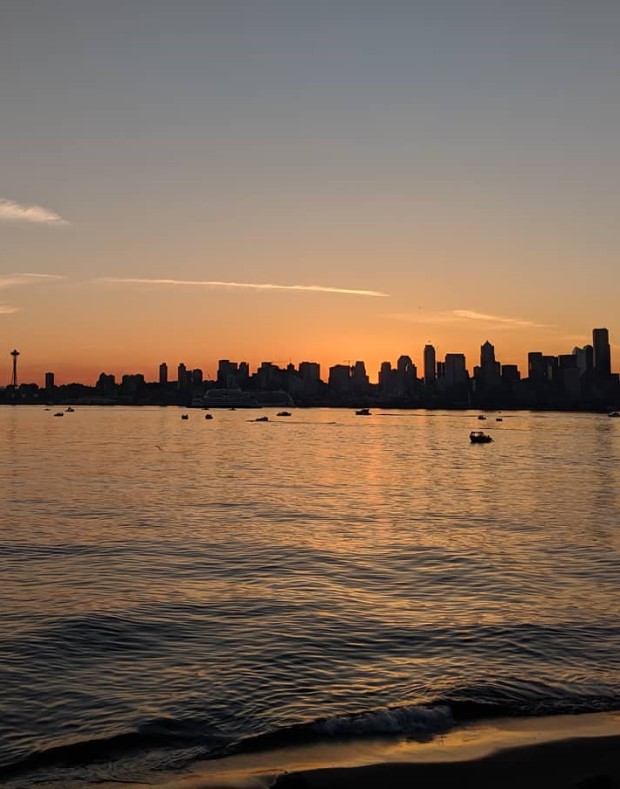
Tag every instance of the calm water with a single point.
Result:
(176, 589)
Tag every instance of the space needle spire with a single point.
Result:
(14, 354)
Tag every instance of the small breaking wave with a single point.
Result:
(412, 721)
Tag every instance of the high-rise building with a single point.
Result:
(488, 372)
(359, 379)
(406, 376)
(227, 373)
(310, 371)
(602, 352)
(487, 355)
(163, 374)
(49, 380)
(340, 378)
(182, 376)
(455, 371)
(536, 371)
(385, 377)
(585, 358)
(429, 365)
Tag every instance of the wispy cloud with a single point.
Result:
(479, 316)
(466, 316)
(16, 280)
(246, 285)
(10, 211)
(6, 309)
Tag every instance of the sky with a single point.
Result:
(305, 180)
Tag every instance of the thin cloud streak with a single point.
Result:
(17, 280)
(467, 316)
(10, 211)
(246, 285)
(6, 309)
(479, 316)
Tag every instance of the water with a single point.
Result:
(173, 590)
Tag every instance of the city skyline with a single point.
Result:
(327, 181)
(594, 355)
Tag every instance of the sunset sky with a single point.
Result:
(326, 180)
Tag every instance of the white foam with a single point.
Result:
(397, 720)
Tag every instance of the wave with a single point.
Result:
(187, 740)
(423, 722)
(158, 734)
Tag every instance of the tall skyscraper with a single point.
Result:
(585, 358)
(49, 380)
(429, 365)
(487, 355)
(602, 352)
(455, 369)
(163, 374)
(488, 374)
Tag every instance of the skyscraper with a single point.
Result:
(602, 352)
(163, 374)
(429, 365)
(487, 355)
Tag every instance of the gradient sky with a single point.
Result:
(460, 157)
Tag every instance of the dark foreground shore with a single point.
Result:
(559, 752)
(589, 763)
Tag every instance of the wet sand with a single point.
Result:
(588, 763)
(560, 752)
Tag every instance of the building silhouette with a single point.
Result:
(602, 352)
(581, 379)
(14, 354)
(430, 365)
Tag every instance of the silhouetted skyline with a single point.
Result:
(579, 379)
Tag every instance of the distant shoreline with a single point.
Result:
(308, 407)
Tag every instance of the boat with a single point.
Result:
(498, 419)
(208, 416)
(283, 413)
(226, 398)
(260, 419)
(614, 413)
(481, 416)
(479, 437)
(69, 410)
(184, 416)
(59, 413)
(363, 412)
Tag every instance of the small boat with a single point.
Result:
(208, 416)
(59, 413)
(499, 419)
(283, 413)
(184, 416)
(481, 416)
(69, 410)
(478, 437)
(363, 412)
(261, 419)
(614, 413)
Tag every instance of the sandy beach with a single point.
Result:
(588, 763)
(559, 752)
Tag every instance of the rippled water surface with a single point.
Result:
(176, 589)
